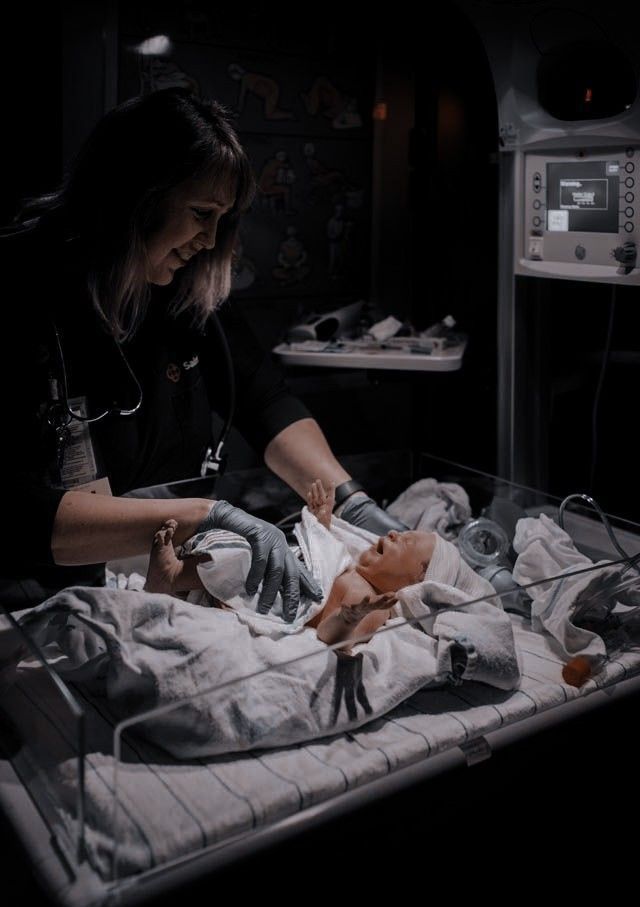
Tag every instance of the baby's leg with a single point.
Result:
(321, 502)
(164, 565)
(167, 572)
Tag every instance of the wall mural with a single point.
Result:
(324, 99)
(293, 260)
(301, 120)
(262, 87)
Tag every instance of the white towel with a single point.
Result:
(545, 550)
(431, 505)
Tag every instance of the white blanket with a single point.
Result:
(545, 550)
(238, 687)
(480, 629)
(431, 505)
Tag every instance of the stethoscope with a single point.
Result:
(215, 461)
(59, 413)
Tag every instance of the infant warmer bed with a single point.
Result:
(108, 816)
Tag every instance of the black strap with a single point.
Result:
(345, 490)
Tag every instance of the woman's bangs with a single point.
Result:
(230, 171)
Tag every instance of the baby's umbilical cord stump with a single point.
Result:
(577, 671)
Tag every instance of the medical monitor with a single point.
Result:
(582, 196)
(579, 214)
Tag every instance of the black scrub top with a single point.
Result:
(182, 374)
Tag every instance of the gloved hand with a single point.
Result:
(273, 563)
(361, 510)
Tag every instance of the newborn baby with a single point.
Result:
(361, 597)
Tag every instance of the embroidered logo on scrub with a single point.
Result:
(173, 372)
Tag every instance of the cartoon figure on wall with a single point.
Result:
(339, 235)
(329, 184)
(263, 87)
(293, 261)
(244, 271)
(198, 22)
(275, 183)
(162, 72)
(324, 99)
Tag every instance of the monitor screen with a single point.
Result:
(583, 196)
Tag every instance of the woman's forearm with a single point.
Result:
(92, 528)
(300, 453)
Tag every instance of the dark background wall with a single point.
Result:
(388, 189)
(394, 192)
(416, 195)
(30, 69)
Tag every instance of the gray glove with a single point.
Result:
(361, 510)
(272, 559)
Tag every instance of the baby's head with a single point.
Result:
(397, 559)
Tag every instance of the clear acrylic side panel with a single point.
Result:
(149, 803)
(607, 598)
(42, 733)
(505, 502)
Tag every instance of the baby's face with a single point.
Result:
(397, 559)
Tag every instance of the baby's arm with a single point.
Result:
(353, 610)
(321, 502)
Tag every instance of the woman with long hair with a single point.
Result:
(117, 279)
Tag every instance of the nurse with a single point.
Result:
(111, 323)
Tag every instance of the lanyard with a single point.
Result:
(60, 414)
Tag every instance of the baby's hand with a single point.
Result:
(353, 613)
(321, 502)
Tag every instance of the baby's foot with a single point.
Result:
(321, 502)
(164, 565)
(353, 613)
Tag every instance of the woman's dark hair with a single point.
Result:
(112, 200)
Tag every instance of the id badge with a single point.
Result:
(79, 471)
(99, 486)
